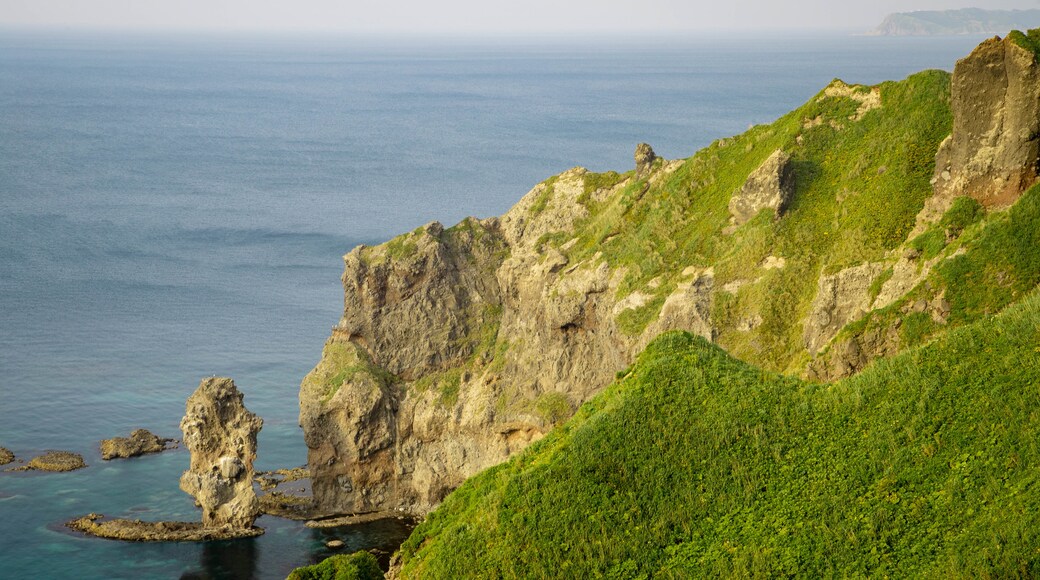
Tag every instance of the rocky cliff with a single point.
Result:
(992, 152)
(803, 246)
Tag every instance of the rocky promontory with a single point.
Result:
(460, 346)
(962, 21)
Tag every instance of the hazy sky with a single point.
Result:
(480, 17)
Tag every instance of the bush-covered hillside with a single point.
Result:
(696, 464)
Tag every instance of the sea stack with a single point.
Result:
(221, 434)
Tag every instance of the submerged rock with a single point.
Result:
(6, 456)
(140, 442)
(54, 461)
(221, 433)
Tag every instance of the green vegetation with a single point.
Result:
(694, 464)
(597, 181)
(846, 162)
(356, 566)
(1029, 40)
(878, 283)
(1001, 264)
(540, 202)
(964, 212)
(342, 362)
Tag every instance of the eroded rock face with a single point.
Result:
(645, 157)
(840, 299)
(140, 442)
(221, 434)
(459, 347)
(769, 186)
(993, 150)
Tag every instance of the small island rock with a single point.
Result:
(54, 461)
(140, 442)
(6, 456)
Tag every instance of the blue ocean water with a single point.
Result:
(175, 207)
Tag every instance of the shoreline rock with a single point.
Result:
(354, 519)
(54, 461)
(140, 442)
(268, 480)
(138, 531)
(6, 456)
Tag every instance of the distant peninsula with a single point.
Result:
(964, 21)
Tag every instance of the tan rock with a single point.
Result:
(840, 299)
(645, 157)
(768, 187)
(994, 148)
(54, 461)
(221, 436)
(140, 442)
(6, 456)
(139, 531)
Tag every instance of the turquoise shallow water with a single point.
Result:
(176, 207)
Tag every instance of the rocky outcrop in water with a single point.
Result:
(54, 461)
(769, 186)
(139, 531)
(140, 442)
(6, 456)
(221, 434)
(994, 148)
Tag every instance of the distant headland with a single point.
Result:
(963, 21)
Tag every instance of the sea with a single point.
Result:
(176, 206)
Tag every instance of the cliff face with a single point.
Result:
(459, 347)
(993, 150)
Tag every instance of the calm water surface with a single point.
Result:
(177, 207)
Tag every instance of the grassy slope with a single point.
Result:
(356, 566)
(865, 178)
(698, 464)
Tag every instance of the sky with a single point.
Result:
(472, 17)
